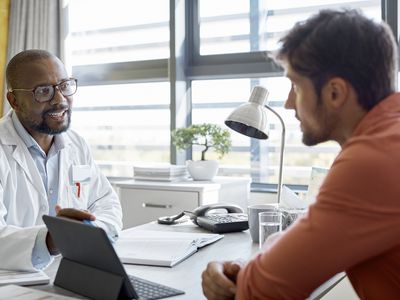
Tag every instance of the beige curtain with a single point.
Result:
(4, 13)
(34, 24)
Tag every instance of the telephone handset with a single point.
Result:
(202, 210)
(233, 220)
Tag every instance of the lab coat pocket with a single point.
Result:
(77, 194)
(79, 190)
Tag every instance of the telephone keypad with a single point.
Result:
(226, 218)
(223, 223)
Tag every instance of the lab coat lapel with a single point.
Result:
(24, 159)
(68, 158)
(22, 156)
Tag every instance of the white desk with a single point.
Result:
(186, 275)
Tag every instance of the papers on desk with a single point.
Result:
(15, 292)
(23, 278)
(160, 172)
(160, 248)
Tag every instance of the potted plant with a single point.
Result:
(206, 135)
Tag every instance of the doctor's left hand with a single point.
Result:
(71, 213)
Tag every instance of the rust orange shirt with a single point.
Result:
(353, 226)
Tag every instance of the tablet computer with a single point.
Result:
(91, 267)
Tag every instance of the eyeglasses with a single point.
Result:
(44, 93)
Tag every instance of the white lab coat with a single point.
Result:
(23, 198)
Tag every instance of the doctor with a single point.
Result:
(45, 168)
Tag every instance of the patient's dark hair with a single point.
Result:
(14, 66)
(346, 44)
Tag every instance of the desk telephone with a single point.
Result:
(233, 220)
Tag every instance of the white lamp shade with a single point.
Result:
(251, 118)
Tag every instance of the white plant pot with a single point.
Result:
(202, 169)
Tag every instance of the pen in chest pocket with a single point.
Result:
(78, 189)
(80, 175)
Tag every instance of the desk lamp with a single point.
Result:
(251, 119)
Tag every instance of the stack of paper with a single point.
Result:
(160, 248)
(23, 278)
(160, 172)
(14, 292)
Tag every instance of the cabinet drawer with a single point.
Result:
(141, 206)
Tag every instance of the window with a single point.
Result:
(247, 26)
(127, 57)
(125, 120)
(213, 100)
(253, 26)
(121, 121)
(117, 31)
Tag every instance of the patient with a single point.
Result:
(46, 168)
(343, 69)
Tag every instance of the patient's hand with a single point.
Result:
(219, 279)
(71, 213)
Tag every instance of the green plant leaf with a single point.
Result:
(206, 134)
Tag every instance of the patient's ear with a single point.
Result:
(335, 92)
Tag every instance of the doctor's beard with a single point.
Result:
(44, 127)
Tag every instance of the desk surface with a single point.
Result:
(186, 275)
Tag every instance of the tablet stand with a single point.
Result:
(88, 281)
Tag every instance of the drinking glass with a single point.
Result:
(270, 222)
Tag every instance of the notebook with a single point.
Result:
(160, 248)
(89, 260)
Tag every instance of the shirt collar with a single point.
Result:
(59, 141)
(388, 106)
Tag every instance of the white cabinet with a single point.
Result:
(145, 201)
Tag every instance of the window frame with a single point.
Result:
(186, 64)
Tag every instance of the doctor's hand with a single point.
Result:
(219, 279)
(71, 213)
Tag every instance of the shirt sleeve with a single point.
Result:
(41, 257)
(112, 233)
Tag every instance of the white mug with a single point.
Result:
(253, 211)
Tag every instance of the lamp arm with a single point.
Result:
(281, 152)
